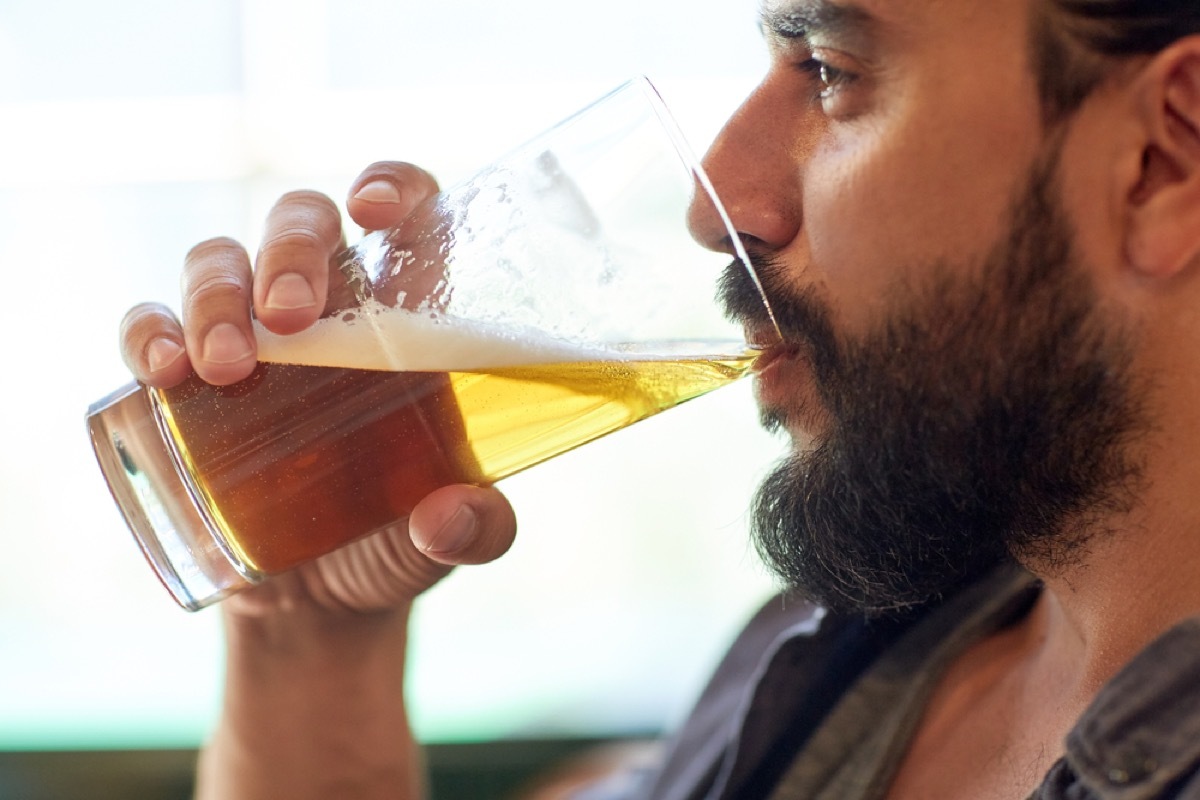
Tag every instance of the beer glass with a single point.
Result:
(555, 297)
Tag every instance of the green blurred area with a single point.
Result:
(477, 771)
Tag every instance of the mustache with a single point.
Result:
(739, 294)
(804, 318)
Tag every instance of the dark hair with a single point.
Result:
(1076, 42)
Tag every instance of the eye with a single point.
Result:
(829, 78)
(831, 87)
(832, 78)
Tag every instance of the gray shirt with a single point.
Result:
(814, 706)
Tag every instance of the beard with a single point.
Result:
(988, 418)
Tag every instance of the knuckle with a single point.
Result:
(211, 286)
(145, 320)
(305, 209)
(215, 267)
(302, 225)
(219, 248)
(292, 239)
(306, 198)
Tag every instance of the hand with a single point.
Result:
(287, 289)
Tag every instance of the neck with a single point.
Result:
(1136, 578)
(1134, 582)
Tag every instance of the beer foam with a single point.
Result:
(381, 338)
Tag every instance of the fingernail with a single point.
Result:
(454, 533)
(290, 291)
(378, 192)
(225, 344)
(162, 353)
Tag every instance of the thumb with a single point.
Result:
(463, 525)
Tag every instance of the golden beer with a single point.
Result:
(298, 460)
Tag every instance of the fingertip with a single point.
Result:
(451, 535)
(166, 362)
(379, 192)
(463, 525)
(289, 304)
(227, 354)
(152, 345)
(162, 352)
(386, 192)
(377, 205)
(163, 363)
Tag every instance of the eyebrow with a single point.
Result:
(802, 19)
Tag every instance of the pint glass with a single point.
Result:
(553, 298)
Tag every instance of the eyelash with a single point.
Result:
(828, 76)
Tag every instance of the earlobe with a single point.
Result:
(1163, 234)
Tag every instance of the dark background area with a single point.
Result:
(493, 770)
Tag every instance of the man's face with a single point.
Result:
(953, 386)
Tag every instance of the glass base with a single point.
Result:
(156, 502)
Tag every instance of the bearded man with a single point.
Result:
(978, 226)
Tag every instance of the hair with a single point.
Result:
(1077, 43)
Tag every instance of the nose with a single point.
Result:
(753, 167)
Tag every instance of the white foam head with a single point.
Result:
(381, 338)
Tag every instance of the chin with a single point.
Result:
(803, 422)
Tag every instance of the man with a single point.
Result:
(979, 227)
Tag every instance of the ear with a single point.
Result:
(1163, 234)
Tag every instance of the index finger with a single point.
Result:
(291, 272)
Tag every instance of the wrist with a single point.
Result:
(313, 702)
(291, 636)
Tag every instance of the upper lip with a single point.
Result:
(764, 337)
(773, 352)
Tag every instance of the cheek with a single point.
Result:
(866, 223)
(884, 215)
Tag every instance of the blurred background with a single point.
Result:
(132, 129)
